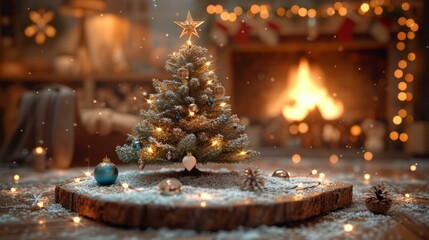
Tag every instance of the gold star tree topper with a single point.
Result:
(189, 26)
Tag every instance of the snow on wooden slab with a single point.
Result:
(212, 201)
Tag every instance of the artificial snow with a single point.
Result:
(220, 188)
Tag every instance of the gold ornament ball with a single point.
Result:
(193, 107)
(170, 187)
(182, 73)
(219, 91)
(281, 173)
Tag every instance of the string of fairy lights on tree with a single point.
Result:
(405, 26)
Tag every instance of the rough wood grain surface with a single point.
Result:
(283, 210)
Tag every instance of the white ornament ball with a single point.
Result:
(189, 161)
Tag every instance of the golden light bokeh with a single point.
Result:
(402, 113)
(211, 9)
(401, 36)
(400, 46)
(402, 64)
(302, 12)
(293, 129)
(410, 22)
(402, 86)
(312, 13)
(364, 7)
(411, 56)
(338, 5)
(398, 73)
(402, 21)
(218, 9)
(224, 16)
(296, 158)
(342, 11)
(409, 77)
(238, 11)
(378, 10)
(334, 158)
(303, 127)
(403, 137)
(255, 9)
(405, 6)
(281, 11)
(409, 96)
(368, 156)
(355, 130)
(330, 11)
(402, 96)
(394, 135)
(294, 9)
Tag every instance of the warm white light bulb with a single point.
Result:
(348, 227)
(16, 177)
(76, 219)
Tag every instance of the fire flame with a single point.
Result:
(304, 94)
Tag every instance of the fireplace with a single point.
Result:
(315, 95)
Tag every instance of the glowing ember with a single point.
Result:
(13, 190)
(125, 185)
(314, 172)
(322, 175)
(305, 93)
(87, 173)
(413, 167)
(407, 195)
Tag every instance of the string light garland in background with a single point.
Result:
(406, 26)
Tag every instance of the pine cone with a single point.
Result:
(252, 180)
(378, 199)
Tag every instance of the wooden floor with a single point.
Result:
(408, 218)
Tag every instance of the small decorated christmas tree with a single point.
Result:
(189, 119)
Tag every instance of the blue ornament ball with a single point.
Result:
(137, 145)
(106, 173)
(210, 101)
(178, 116)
